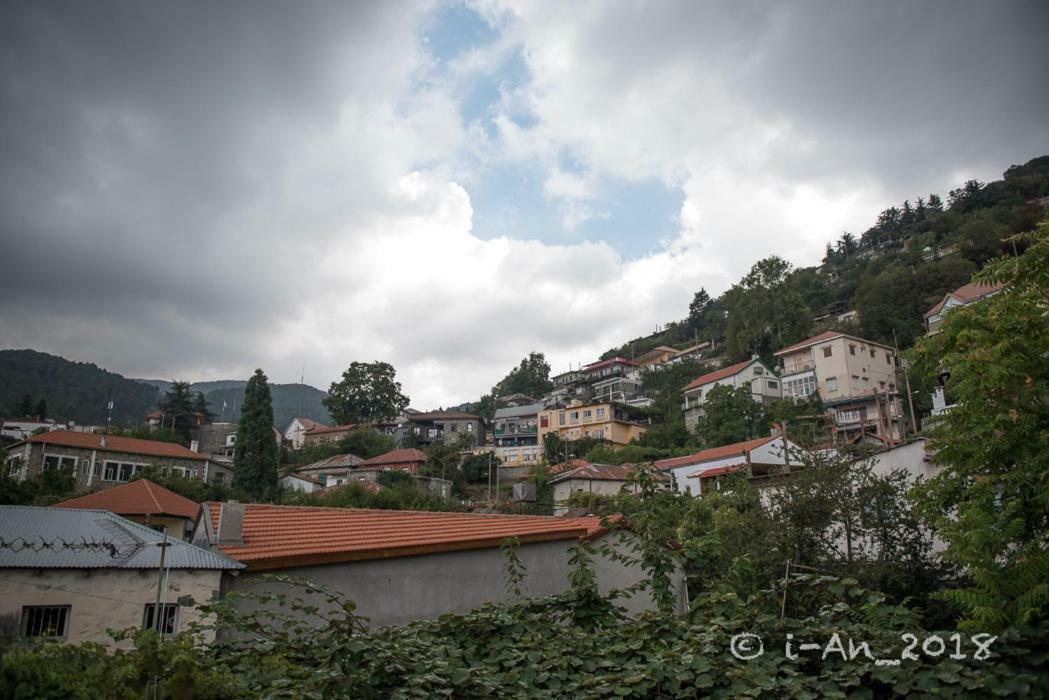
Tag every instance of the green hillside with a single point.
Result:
(890, 274)
(289, 401)
(74, 391)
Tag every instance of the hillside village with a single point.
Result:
(542, 463)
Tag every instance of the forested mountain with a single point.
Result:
(889, 275)
(76, 391)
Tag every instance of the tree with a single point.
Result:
(368, 393)
(697, 310)
(768, 312)
(990, 503)
(41, 409)
(25, 407)
(256, 452)
(731, 415)
(366, 443)
(531, 377)
(846, 244)
(200, 407)
(179, 409)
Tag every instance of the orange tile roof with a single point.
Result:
(966, 294)
(602, 472)
(719, 374)
(278, 537)
(407, 454)
(573, 463)
(114, 443)
(141, 497)
(738, 448)
(318, 429)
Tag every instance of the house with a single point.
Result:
(22, 428)
(604, 421)
(513, 400)
(697, 472)
(447, 426)
(963, 296)
(146, 503)
(614, 367)
(516, 435)
(599, 479)
(81, 572)
(855, 378)
(400, 566)
(100, 460)
(327, 434)
(296, 481)
(295, 433)
(655, 356)
(572, 376)
(619, 389)
(332, 471)
(752, 374)
(693, 352)
(406, 459)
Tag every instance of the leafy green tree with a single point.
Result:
(256, 452)
(367, 393)
(366, 443)
(731, 415)
(476, 468)
(768, 312)
(990, 502)
(531, 377)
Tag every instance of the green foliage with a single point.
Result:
(769, 312)
(530, 377)
(730, 416)
(398, 494)
(991, 502)
(48, 487)
(365, 443)
(192, 488)
(476, 468)
(144, 432)
(367, 393)
(557, 449)
(256, 452)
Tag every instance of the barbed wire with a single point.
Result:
(20, 544)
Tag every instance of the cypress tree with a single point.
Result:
(255, 455)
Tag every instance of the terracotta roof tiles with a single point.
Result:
(722, 373)
(114, 443)
(738, 448)
(407, 454)
(141, 497)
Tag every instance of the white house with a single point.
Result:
(300, 482)
(600, 479)
(692, 473)
(296, 431)
(752, 374)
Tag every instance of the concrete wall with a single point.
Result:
(102, 598)
(398, 591)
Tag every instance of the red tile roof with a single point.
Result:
(966, 294)
(277, 537)
(718, 471)
(113, 443)
(826, 335)
(408, 454)
(573, 463)
(738, 448)
(719, 374)
(307, 423)
(346, 461)
(141, 497)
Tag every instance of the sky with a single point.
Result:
(192, 190)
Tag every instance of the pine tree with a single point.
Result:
(255, 457)
(25, 407)
(41, 409)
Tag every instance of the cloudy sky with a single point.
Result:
(195, 189)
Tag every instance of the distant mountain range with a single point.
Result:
(81, 391)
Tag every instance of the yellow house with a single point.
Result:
(604, 421)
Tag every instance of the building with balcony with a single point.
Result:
(446, 425)
(603, 421)
(614, 367)
(855, 378)
(621, 389)
(963, 296)
(753, 375)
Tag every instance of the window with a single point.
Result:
(469, 427)
(45, 621)
(872, 353)
(575, 416)
(800, 387)
(759, 370)
(888, 359)
(600, 413)
(119, 471)
(587, 413)
(126, 470)
(852, 349)
(453, 427)
(832, 383)
(168, 617)
(828, 351)
(14, 465)
(544, 421)
(52, 462)
(772, 384)
(561, 418)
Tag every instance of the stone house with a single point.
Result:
(448, 426)
(406, 459)
(75, 593)
(100, 460)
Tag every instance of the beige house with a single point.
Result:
(753, 375)
(51, 590)
(855, 378)
(604, 421)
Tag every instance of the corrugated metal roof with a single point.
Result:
(73, 538)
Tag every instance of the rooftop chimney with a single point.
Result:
(231, 523)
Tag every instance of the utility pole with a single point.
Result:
(157, 617)
(489, 478)
(907, 382)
